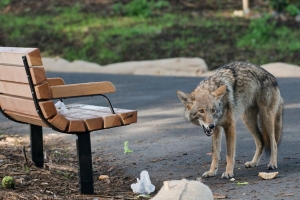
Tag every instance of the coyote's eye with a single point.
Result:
(201, 111)
(213, 111)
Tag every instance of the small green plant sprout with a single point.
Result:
(8, 182)
(126, 148)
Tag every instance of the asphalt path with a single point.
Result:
(170, 148)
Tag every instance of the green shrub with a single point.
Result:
(278, 5)
(258, 33)
(141, 8)
(265, 34)
(4, 3)
(292, 10)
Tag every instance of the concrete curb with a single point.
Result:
(189, 67)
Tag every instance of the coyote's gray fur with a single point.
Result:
(238, 88)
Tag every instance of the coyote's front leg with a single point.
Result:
(216, 149)
(229, 130)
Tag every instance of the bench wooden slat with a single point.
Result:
(42, 91)
(18, 105)
(13, 56)
(76, 126)
(26, 118)
(23, 90)
(26, 106)
(73, 90)
(94, 124)
(38, 74)
(111, 120)
(17, 89)
(48, 109)
(18, 74)
(59, 121)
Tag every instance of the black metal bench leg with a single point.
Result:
(85, 171)
(36, 143)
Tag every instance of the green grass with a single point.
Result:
(263, 34)
(130, 35)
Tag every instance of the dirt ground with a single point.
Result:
(58, 179)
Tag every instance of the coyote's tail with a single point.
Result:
(279, 122)
(278, 129)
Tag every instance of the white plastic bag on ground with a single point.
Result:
(143, 185)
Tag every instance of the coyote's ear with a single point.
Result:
(219, 93)
(184, 98)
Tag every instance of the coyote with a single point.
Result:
(238, 88)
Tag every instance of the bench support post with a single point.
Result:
(84, 156)
(36, 143)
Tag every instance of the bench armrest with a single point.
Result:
(82, 89)
(55, 81)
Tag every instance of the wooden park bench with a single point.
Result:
(27, 96)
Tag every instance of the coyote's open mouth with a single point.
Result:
(207, 131)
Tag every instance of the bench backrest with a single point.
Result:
(15, 94)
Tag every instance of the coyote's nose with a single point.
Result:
(211, 126)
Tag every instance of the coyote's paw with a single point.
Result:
(209, 174)
(250, 164)
(227, 175)
(271, 166)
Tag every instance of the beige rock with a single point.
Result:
(184, 190)
(164, 67)
(279, 69)
(62, 65)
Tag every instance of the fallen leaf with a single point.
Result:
(219, 196)
(110, 169)
(103, 177)
(267, 176)
(242, 183)
(143, 196)
(287, 195)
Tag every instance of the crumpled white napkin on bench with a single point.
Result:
(61, 108)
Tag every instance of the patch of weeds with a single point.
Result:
(292, 10)
(278, 5)
(265, 34)
(140, 8)
(4, 3)
(26, 168)
(258, 33)
(66, 175)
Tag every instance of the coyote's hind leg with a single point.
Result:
(250, 120)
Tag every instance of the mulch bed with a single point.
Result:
(58, 178)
